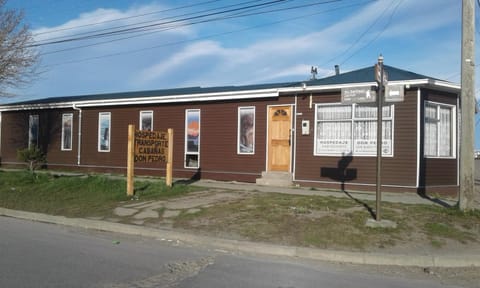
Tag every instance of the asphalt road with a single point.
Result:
(44, 255)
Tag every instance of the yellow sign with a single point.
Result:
(151, 146)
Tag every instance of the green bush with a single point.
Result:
(32, 156)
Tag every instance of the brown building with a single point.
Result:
(308, 132)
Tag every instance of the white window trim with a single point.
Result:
(239, 132)
(30, 122)
(145, 112)
(70, 115)
(453, 125)
(109, 114)
(352, 121)
(185, 150)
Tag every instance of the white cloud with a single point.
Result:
(180, 59)
(228, 61)
(102, 19)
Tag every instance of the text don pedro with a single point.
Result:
(151, 146)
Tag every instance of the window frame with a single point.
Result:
(453, 129)
(352, 120)
(186, 151)
(100, 116)
(145, 113)
(239, 130)
(64, 117)
(33, 119)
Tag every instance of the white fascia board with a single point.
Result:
(324, 87)
(443, 85)
(36, 106)
(234, 95)
(439, 84)
(448, 85)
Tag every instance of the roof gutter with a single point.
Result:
(443, 85)
(231, 95)
(234, 95)
(79, 145)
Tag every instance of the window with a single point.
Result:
(104, 131)
(67, 123)
(439, 135)
(352, 129)
(246, 130)
(146, 120)
(192, 138)
(33, 131)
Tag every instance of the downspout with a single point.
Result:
(79, 133)
(419, 135)
(295, 138)
(0, 138)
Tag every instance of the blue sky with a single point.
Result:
(420, 36)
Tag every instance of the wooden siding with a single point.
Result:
(15, 136)
(399, 170)
(218, 139)
(433, 171)
(218, 144)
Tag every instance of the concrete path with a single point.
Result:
(405, 198)
(139, 213)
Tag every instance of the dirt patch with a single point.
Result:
(327, 223)
(332, 223)
(312, 221)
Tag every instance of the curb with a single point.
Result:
(237, 246)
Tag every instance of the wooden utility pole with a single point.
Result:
(130, 159)
(168, 176)
(467, 99)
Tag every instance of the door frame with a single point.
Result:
(292, 134)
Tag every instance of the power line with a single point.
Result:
(377, 36)
(139, 28)
(124, 18)
(242, 14)
(205, 37)
(150, 21)
(359, 38)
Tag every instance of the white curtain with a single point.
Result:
(431, 133)
(445, 132)
(338, 132)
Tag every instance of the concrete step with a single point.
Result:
(273, 178)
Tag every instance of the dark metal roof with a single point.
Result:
(356, 76)
(152, 93)
(368, 75)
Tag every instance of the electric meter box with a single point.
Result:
(305, 127)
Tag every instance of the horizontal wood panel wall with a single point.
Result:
(218, 144)
(15, 135)
(399, 170)
(438, 172)
(218, 155)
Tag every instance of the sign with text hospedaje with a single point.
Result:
(149, 146)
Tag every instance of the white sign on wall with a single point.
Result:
(334, 146)
(369, 147)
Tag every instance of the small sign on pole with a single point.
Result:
(394, 93)
(358, 95)
(149, 146)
